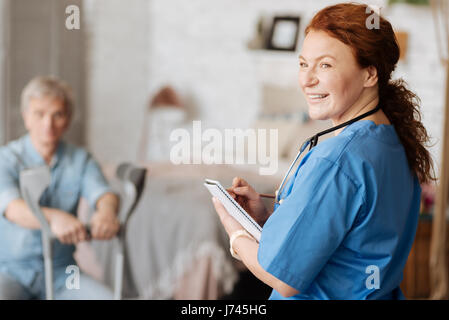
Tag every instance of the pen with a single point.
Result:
(264, 195)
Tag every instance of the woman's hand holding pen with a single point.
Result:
(249, 199)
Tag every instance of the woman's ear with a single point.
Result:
(371, 77)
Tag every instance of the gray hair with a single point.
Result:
(47, 86)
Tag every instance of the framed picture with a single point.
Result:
(283, 34)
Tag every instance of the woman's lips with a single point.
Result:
(317, 97)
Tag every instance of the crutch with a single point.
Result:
(133, 180)
(34, 181)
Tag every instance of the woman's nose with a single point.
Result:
(307, 78)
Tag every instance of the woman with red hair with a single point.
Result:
(344, 224)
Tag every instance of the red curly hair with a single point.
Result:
(378, 47)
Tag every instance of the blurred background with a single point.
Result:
(141, 68)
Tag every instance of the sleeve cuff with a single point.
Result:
(93, 197)
(283, 274)
(6, 197)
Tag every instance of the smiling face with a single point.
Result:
(46, 120)
(334, 85)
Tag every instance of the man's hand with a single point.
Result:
(67, 228)
(104, 224)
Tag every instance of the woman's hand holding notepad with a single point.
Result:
(234, 208)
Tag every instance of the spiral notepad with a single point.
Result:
(234, 209)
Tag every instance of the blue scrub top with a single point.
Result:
(348, 219)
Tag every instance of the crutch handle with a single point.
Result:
(89, 232)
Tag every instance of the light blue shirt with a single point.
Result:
(349, 218)
(74, 174)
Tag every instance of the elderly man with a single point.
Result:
(47, 110)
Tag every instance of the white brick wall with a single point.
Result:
(199, 47)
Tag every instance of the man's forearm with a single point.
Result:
(108, 202)
(19, 213)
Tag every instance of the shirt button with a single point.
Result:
(280, 201)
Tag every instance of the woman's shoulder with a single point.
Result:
(361, 149)
(362, 139)
(333, 149)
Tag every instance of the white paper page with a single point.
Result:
(234, 209)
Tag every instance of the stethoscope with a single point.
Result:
(313, 141)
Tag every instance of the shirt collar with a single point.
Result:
(36, 157)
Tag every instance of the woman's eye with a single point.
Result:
(303, 64)
(325, 65)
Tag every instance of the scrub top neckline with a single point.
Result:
(369, 123)
(384, 132)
